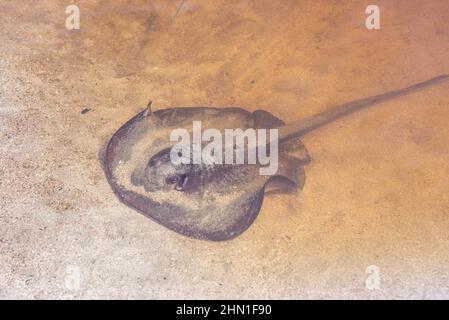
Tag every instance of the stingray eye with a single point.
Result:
(182, 181)
(171, 179)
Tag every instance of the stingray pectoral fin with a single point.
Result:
(289, 177)
(266, 120)
(295, 148)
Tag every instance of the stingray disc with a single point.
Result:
(219, 202)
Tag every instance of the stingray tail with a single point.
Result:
(309, 124)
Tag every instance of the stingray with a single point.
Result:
(212, 201)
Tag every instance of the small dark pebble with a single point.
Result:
(85, 110)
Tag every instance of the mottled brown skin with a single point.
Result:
(151, 173)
